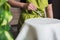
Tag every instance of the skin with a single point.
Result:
(49, 11)
(30, 6)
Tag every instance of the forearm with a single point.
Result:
(17, 4)
(49, 11)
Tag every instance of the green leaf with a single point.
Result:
(2, 2)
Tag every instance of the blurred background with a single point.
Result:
(56, 8)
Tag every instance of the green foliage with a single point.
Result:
(2, 2)
(5, 18)
(5, 14)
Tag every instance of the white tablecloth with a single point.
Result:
(40, 29)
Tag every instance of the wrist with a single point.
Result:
(24, 5)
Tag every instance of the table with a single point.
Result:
(40, 29)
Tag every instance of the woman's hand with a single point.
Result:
(30, 6)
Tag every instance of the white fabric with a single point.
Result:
(41, 29)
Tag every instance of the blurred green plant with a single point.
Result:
(5, 18)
